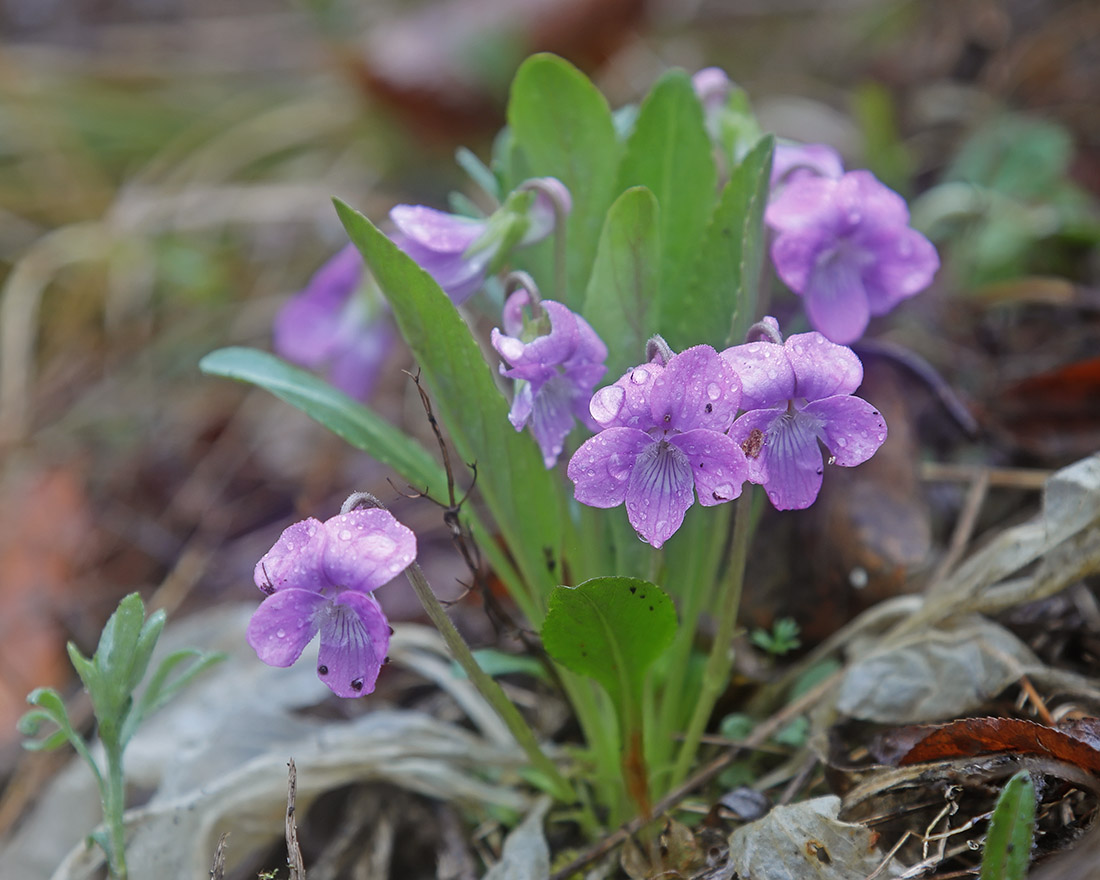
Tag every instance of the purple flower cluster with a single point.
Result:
(843, 241)
(319, 577)
(670, 431)
(663, 440)
(332, 326)
(554, 372)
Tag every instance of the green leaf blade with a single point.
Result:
(349, 420)
(611, 629)
(1008, 843)
(622, 291)
(522, 495)
(721, 300)
(669, 151)
(561, 124)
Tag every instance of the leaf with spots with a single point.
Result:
(611, 629)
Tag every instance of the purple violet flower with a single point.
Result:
(663, 441)
(554, 372)
(796, 394)
(792, 160)
(458, 252)
(320, 577)
(329, 327)
(846, 247)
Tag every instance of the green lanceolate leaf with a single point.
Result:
(355, 423)
(562, 126)
(721, 300)
(611, 629)
(50, 707)
(121, 650)
(622, 291)
(669, 152)
(1008, 842)
(521, 494)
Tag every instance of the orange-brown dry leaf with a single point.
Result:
(1076, 743)
(44, 521)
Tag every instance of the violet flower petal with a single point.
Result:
(822, 368)
(697, 389)
(366, 548)
(295, 560)
(906, 264)
(659, 492)
(355, 637)
(552, 417)
(793, 460)
(851, 428)
(767, 377)
(836, 300)
(309, 323)
(755, 445)
(283, 624)
(357, 367)
(601, 468)
(436, 230)
(718, 465)
(626, 404)
(790, 160)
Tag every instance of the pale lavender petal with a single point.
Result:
(308, 325)
(552, 417)
(355, 637)
(601, 467)
(717, 462)
(552, 348)
(626, 403)
(284, 624)
(836, 301)
(793, 461)
(712, 86)
(358, 365)
(459, 277)
(822, 368)
(590, 348)
(696, 390)
(436, 230)
(852, 429)
(905, 265)
(866, 201)
(805, 202)
(766, 374)
(295, 561)
(659, 492)
(751, 432)
(796, 255)
(512, 315)
(792, 159)
(523, 404)
(543, 215)
(366, 548)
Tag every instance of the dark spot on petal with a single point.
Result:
(668, 417)
(709, 407)
(819, 471)
(357, 684)
(322, 669)
(753, 443)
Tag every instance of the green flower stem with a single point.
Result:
(114, 805)
(719, 661)
(488, 688)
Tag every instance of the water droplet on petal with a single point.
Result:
(639, 375)
(280, 633)
(345, 534)
(832, 459)
(714, 391)
(841, 442)
(618, 465)
(606, 403)
(725, 491)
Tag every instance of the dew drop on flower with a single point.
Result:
(832, 459)
(725, 491)
(618, 465)
(606, 403)
(639, 375)
(281, 633)
(714, 391)
(378, 545)
(345, 535)
(841, 442)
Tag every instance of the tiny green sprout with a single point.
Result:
(781, 640)
(111, 677)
